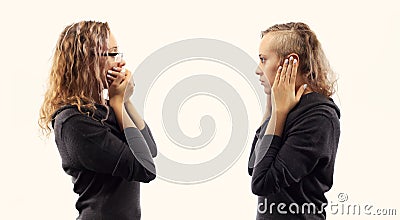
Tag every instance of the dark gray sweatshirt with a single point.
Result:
(106, 167)
(296, 169)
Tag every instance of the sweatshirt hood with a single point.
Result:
(314, 99)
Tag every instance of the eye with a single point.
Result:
(262, 59)
(113, 50)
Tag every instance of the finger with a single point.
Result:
(300, 92)
(110, 77)
(125, 83)
(293, 75)
(278, 75)
(113, 73)
(289, 70)
(284, 69)
(118, 69)
(120, 77)
(131, 86)
(132, 81)
(123, 70)
(128, 73)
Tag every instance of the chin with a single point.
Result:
(267, 91)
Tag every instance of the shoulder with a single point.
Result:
(322, 112)
(318, 118)
(315, 106)
(71, 117)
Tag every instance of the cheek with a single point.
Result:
(109, 63)
(270, 79)
(107, 66)
(270, 74)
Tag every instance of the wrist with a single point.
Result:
(268, 112)
(127, 102)
(279, 112)
(116, 101)
(276, 124)
(280, 117)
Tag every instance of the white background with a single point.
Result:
(360, 38)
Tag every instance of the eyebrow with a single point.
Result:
(259, 55)
(115, 47)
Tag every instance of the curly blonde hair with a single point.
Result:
(300, 39)
(78, 69)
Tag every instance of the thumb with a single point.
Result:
(127, 81)
(127, 77)
(119, 79)
(300, 92)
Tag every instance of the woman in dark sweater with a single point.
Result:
(293, 153)
(104, 145)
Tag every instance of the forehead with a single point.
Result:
(112, 42)
(267, 44)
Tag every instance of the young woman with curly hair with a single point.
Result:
(104, 145)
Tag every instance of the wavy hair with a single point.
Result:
(77, 71)
(300, 39)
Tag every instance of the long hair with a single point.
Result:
(78, 69)
(300, 39)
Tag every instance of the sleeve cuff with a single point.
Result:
(145, 128)
(268, 146)
(271, 140)
(132, 132)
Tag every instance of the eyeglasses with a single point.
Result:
(117, 56)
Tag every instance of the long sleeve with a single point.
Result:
(148, 136)
(280, 163)
(94, 147)
(260, 132)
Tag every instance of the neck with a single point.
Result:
(308, 90)
(100, 100)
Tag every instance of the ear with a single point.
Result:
(299, 78)
(294, 55)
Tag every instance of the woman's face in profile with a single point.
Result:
(110, 63)
(269, 63)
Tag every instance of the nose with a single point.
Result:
(122, 63)
(259, 70)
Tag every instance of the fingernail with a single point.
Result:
(115, 68)
(109, 71)
(294, 61)
(286, 61)
(280, 67)
(291, 58)
(305, 86)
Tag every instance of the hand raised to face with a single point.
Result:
(121, 84)
(284, 96)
